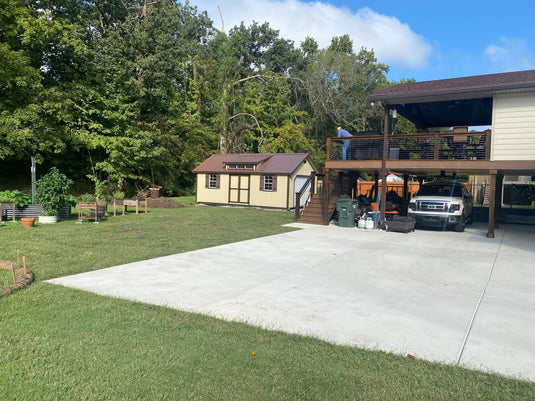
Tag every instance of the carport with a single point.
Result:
(501, 105)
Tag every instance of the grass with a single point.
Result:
(6, 278)
(58, 343)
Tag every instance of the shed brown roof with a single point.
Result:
(267, 163)
(453, 86)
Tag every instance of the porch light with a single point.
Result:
(394, 113)
(372, 103)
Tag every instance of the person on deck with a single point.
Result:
(342, 133)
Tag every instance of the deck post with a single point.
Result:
(405, 193)
(382, 206)
(326, 191)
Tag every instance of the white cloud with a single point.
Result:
(392, 41)
(510, 55)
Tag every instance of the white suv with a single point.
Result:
(442, 205)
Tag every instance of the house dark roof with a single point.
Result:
(457, 86)
(463, 101)
(267, 163)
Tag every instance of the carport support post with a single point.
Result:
(383, 167)
(405, 193)
(326, 193)
(492, 203)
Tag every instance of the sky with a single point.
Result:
(423, 40)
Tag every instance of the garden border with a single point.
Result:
(22, 279)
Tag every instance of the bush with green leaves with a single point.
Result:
(71, 200)
(88, 198)
(51, 191)
(118, 195)
(17, 197)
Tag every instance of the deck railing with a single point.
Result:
(426, 146)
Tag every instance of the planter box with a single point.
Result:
(402, 224)
(48, 219)
(35, 211)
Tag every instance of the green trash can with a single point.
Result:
(346, 207)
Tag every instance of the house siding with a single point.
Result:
(513, 127)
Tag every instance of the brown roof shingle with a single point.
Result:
(478, 83)
(268, 163)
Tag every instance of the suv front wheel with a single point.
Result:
(459, 227)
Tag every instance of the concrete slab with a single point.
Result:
(441, 296)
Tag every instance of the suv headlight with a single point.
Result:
(454, 207)
(412, 205)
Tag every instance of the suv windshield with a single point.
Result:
(440, 190)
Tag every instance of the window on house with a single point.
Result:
(268, 183)
(213, 181)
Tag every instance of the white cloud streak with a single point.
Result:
(392, 41)
(510, 55)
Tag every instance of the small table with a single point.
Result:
(7, 206)
(95, 211)
(129, 202)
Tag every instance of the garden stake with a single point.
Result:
(13, 273)
(24, 263)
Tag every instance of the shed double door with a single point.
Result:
(239, 189)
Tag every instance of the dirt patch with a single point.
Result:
(22, 279)
(163, 203)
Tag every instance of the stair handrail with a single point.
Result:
(327, 195)
(311, 180)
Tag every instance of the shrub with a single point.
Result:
(17, 197)
(88, 198)
(118, 195)
(51, 191)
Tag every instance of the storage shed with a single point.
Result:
(261, 179)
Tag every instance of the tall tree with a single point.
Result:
(338, 82)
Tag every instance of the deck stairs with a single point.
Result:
(313, 212)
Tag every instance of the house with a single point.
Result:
(502, 105)
(268, 180)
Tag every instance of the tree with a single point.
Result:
(252, 61)
(338, 83)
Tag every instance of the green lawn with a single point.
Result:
(6, 278)
(63, 344)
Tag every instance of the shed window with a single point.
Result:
(212, 181)
(268, 183)
(236, 166)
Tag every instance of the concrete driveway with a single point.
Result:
(441, 296)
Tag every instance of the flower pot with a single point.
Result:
(27, 221)
(48, 219)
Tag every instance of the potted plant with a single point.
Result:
(51, 193)
(27, 221)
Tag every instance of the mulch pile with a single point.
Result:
(21, 279)
(163, 203)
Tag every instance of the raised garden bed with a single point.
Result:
(34, 211)
(401, 224)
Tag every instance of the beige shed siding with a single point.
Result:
(513, 127)
(212, 195)
(274, 199)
